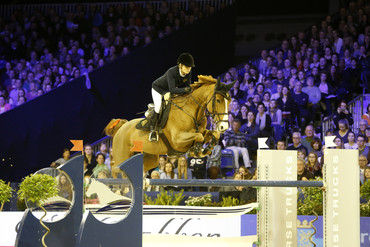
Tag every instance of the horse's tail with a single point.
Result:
(113, 126)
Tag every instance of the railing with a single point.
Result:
(6, 11)
(356, 106)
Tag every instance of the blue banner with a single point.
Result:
(249, 227)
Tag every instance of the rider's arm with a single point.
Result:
(171, 80)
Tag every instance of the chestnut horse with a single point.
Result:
(186, 124)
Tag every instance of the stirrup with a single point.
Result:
(153, 136)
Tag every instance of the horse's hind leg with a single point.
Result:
(150, 161)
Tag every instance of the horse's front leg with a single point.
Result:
(182, 140)
(211, 138)
(209, 135)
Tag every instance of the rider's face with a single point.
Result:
(184, 69)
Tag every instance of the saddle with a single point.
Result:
(144, 124)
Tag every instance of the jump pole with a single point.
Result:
(277, 196)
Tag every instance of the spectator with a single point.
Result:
(236, 93)
(313, 164)
(249, 92)
(182, 171)
(297, 145)
(234, 107)
(342, 113)
(3, 105)
(366, 116)
(280, 145)
(306, 141)
(161, 165)
(153, 175)
(279, 89)
(236, 141)
(362, 148)
(301, 154)
(242, 116)
(314, 97)
(302, 173)
(287, 105)
(251, 131)
(301, 100)
(168, 172)
(338, 143)
(362, 127)
(343, 130)
(245, 173)
(351, 144)
(276, 120)
(266, 100)
(61, 161)
(362, 162)
(91, 161)
(366, 174)
(100, 166)
(64, 187)
(316, 145)
(264, 121)
(103, 150)
(327, 93)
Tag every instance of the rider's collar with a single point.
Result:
(182, 75)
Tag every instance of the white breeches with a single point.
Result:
(243, 152)
(157, 100)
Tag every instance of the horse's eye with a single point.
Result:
(218, 101)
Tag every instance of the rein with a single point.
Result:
(204, 108)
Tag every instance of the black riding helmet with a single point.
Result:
(186, 59)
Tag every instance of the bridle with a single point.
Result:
(213, 114)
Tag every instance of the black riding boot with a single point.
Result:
(153, 136)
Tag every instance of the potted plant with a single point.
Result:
(37, 189)
(5, 193)
(365, 194)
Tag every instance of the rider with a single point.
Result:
(176, 80)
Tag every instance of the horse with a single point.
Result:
(105, 195)
(185, 127)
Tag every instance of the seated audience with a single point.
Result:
(302, 173)
(63, 160)
(297, 145)
(362, 148)
(306, 141)
(264, 121)
(351, 144)
(276, 120)
(342, 113)
(169, 172)
(366, 115)
(343, 130)
(236, 140)
(182, 171)
(100, 166)
(313, 165)
(280, 145)
(64, 187)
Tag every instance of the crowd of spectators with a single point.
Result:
(42, 51)
(284, 95)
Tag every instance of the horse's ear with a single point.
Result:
(229, 86)
(218, 83)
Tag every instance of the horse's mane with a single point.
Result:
(203, 79)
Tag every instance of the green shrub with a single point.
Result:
(165, 198)
(365, 190)
(229, 201)
(312, 201)
(5, 193)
